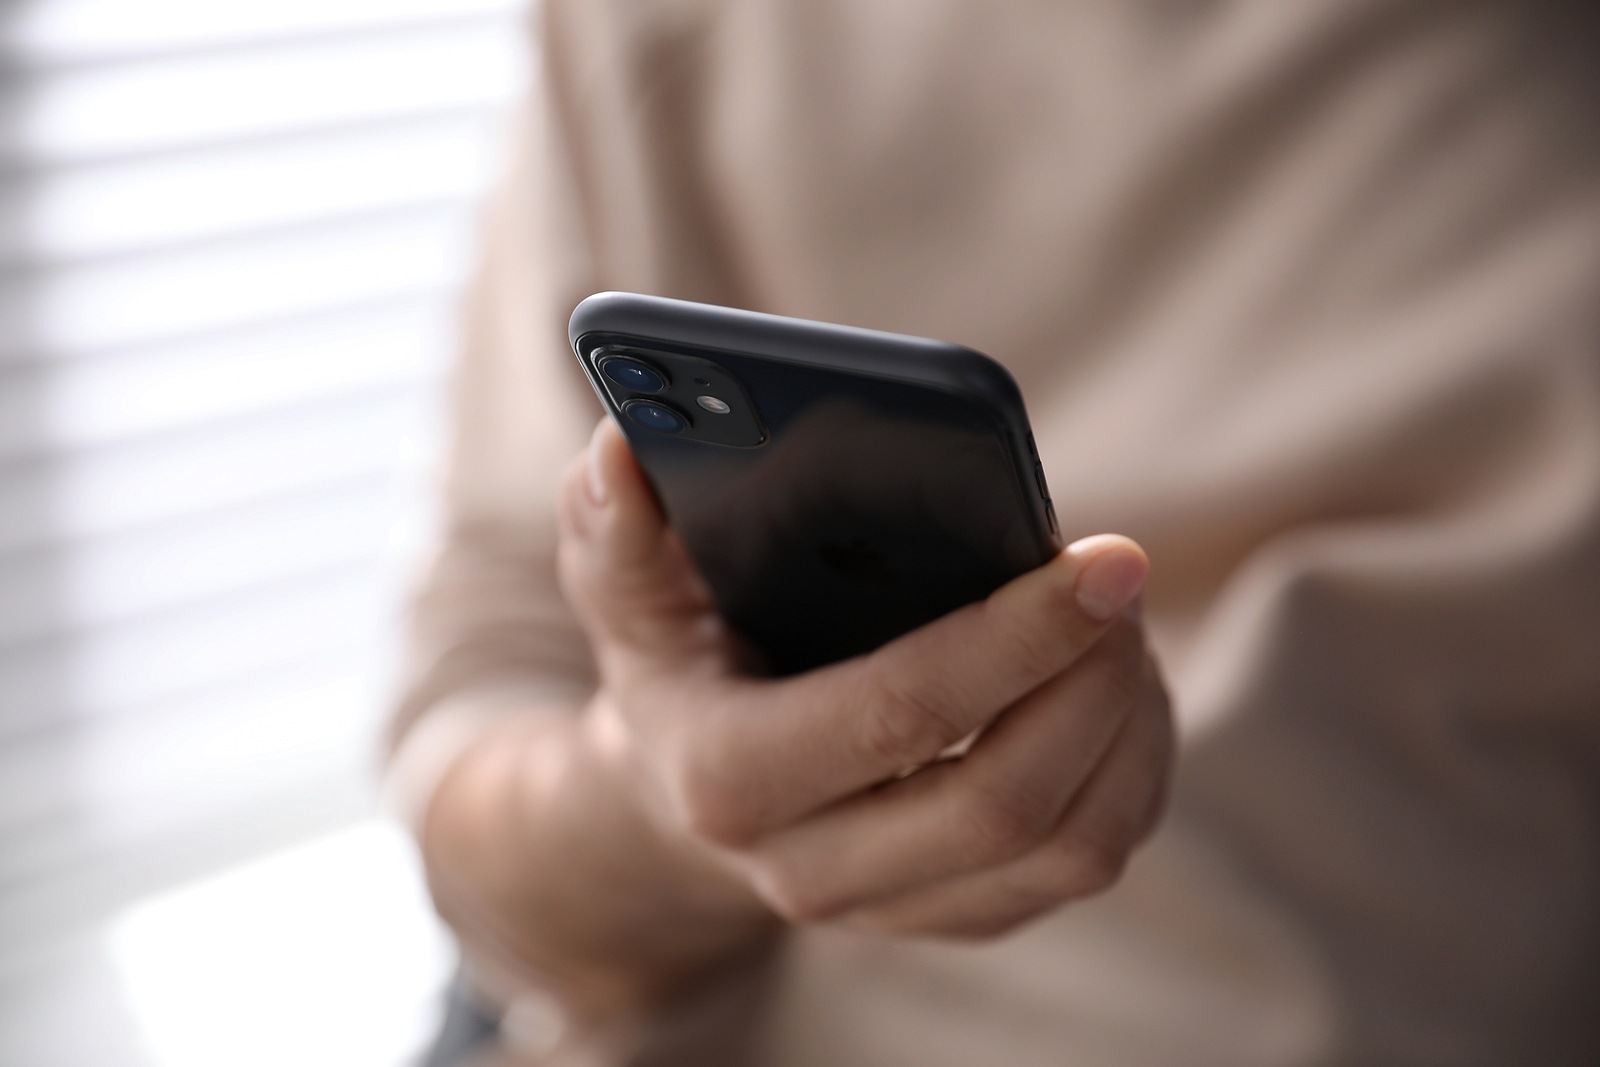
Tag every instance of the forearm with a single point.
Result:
(545, 856)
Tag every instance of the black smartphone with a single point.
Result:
(837, 487)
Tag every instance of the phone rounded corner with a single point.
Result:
(592, 313)
(988, 377)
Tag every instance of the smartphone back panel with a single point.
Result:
(839, 487)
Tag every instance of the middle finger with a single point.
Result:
(990, 806)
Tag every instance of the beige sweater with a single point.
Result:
(1305, 297)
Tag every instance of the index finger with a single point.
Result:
(782, 748)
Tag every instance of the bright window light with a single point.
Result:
(325, 954)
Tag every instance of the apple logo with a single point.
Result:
(859, 562)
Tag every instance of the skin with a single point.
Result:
(690, 810)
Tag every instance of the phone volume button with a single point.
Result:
(1038, 479)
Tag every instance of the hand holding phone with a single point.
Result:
(836, 487)
(823, 794)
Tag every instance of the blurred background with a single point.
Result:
(231, 238)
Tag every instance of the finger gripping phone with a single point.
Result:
(837, 487)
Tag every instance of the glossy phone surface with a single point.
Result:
(837, 487)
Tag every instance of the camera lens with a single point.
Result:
(633, 374)
(654, 416)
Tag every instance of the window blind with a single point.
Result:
(231, 239)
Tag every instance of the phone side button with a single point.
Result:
(1038, 478)
(1050, 513)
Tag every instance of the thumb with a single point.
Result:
(624, 571)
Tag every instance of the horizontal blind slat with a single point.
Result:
(161, 771)
(140, 108)
(126, 302)
(123, 395)
(97, 210)
(126, 576)
(45, 33)
(120, 669)
(70, 498)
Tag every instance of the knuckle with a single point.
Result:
(1031, 648)
(1159, 786)
(905, 725)
(1003, 821)
(791, 899)
(569, 488)
(1125, 639)
(962, 925)
(569, 576)
(707, 818)
(1120, 666)
(1044, 630)
(573, 572)
(989, 928)
(1081, 868)
(1161, 730)
(707, 809)
(1149, 819)
(880, 922)
(704, 791)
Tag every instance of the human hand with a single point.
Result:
(826, 794)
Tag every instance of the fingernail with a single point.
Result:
(1109, 583)
(595, 480)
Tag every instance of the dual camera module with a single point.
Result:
(678, 394)
(640, 377)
